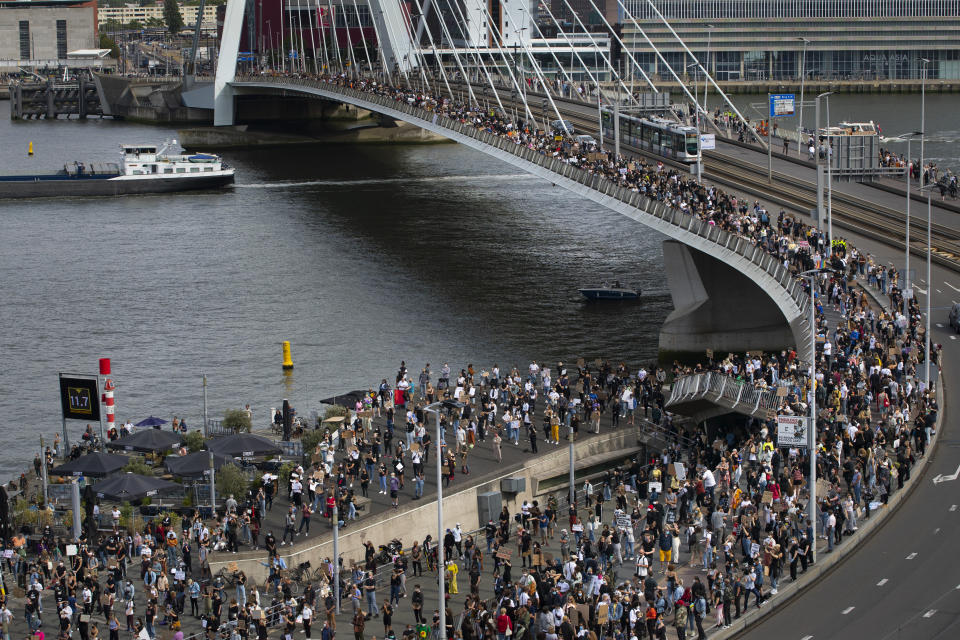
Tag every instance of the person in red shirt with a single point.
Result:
(504, 625)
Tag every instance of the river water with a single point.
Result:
(361, 256)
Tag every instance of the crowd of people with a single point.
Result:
(733, 503)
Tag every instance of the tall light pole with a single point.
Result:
(433, 408)
(710, 28)
(906, 261)
(803, 78)
(696, 105)
(923, 111)
(819, 162)
(811, 277)
(926, 357)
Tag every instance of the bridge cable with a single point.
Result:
(541, 79)
(363, 38)
(380, 52)
(443, 74)
(756, 135)
(334, 41)
(456, 58)
(573, 51)
(346, 27)
(549, 49)
(499, 36)
(624, 47)
(407, 23)
(313, 45)
(599, 49)
(477, 54)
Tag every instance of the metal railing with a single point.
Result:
(724, 389)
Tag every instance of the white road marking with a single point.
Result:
(922, 292)
(929, 614)
(847, 610)
(947, 478)
(806, 638)
(939, 325)
(939, 291)
(953, 507)
(912, 556)
(953, 337)
(951, 286)
(882, 582)
(936, 531)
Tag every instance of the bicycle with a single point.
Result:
(226, 577)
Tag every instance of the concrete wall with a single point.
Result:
(716, 307)
(414, 521)
(81, 30)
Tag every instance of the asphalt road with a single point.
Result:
(904, 582)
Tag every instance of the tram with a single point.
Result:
(660, 136)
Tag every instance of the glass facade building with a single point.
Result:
(764, 39)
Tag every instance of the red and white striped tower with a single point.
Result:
(107, 392)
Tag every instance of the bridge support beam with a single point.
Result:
(227, 64)
(716, 307)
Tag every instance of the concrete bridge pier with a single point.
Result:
(716, 307)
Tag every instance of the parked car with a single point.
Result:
(955, 317)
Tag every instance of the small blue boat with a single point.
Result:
(610, 292)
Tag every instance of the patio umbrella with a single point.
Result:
(245, 445)
(195, 464)
(348, 399)
(93, 464)
(151, 422)
(147, 440)
(131, 486)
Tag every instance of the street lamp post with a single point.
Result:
(926, 356)
(923, 111)
(820, 171)
(433, 408)
(811, 277)
(710, 28)
(803, 78)
(906, 261)
(696, 103)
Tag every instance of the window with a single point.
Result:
(24, 39)
(61, 39)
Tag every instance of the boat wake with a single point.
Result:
(378, 181)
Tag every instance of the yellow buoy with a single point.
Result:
(30, 148)
(287, 360)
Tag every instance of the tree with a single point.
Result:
(193, 441)
(106, 42)
(139, 466)
(171, 15)
(237, 419)
(135, 25)
(231, 481)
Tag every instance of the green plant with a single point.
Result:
(310, 439)
(285, 469)
(336, 410)
(193, 441)
(175, 519)
(237, 419)
(188, 500)
(139, 466)
(171, 15)
(231, 481)
(126, 516)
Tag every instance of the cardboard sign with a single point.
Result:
(783, 392)
(754, 549)
(348, 433)
(583, 610)
(602, 613)
(623, 521)
(367, 413)
(538, 560)
(767, 497)
(504, 553)
(71, 550)
(577, 527)
(233, 567)
(710, 354)
(680, 470)
(654, 486)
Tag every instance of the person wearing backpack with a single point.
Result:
(680, 620)
(700, 610)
